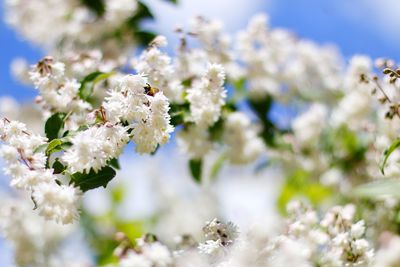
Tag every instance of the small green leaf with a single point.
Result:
(178, 113)
(58, 167)
(387, 153)
(40, 148)
(216, 130)
(195, 166)
(262, 108)
(57, 145)
(376, 189)
(397, 217)
(97, 6)
(144, 37)
(187, 83)
(142, 12)
(53, 125)
(88, 83)
(217, 166)
(54, 146)
(91, 180)
(114, 163)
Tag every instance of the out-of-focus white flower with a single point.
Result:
(389, 254)
(35, 242)
(20, 70)
(72, 24)
(210, 247)
(244, 145)
(308, 126)
(194, 141)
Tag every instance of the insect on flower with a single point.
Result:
(151, 91)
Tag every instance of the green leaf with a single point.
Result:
(92, 180)
(195, 166)
(217, 166)
(397, 217)
(376, 189)
(387, 153)
(142, 12)
(240, 90)
(114, 163)
(97, 6)
(58, 167)
(299, 185)
(261, 108)
(178, 113)
(54, 125)
(216, 130)
(88, 83)
(57, 145)
(144, 37)
(118, 195)
(54, 146)
(40, 148)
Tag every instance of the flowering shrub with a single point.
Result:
(337, 160)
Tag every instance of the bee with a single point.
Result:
(151, 91)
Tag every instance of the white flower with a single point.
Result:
(34, 241)
(244, 145)
(210, 247)
(59, 93)
(57, 202)
(158, 254)
(357, 230)
(156, 128)
(308, 126)
(146, 112)
(92, 148)
(72, 24)
(157, 66)
(207, 96)
(133, 259)
(194, 141)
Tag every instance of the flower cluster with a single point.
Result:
(94, 147)
(34, 240)
(333, 241)
(218, 235)
(307, 241)
(57, 92)
(147, 252)
(72, 23)
(244, 145)
(157, 66)
(143, 108)
(27, 167)
(207, 96)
